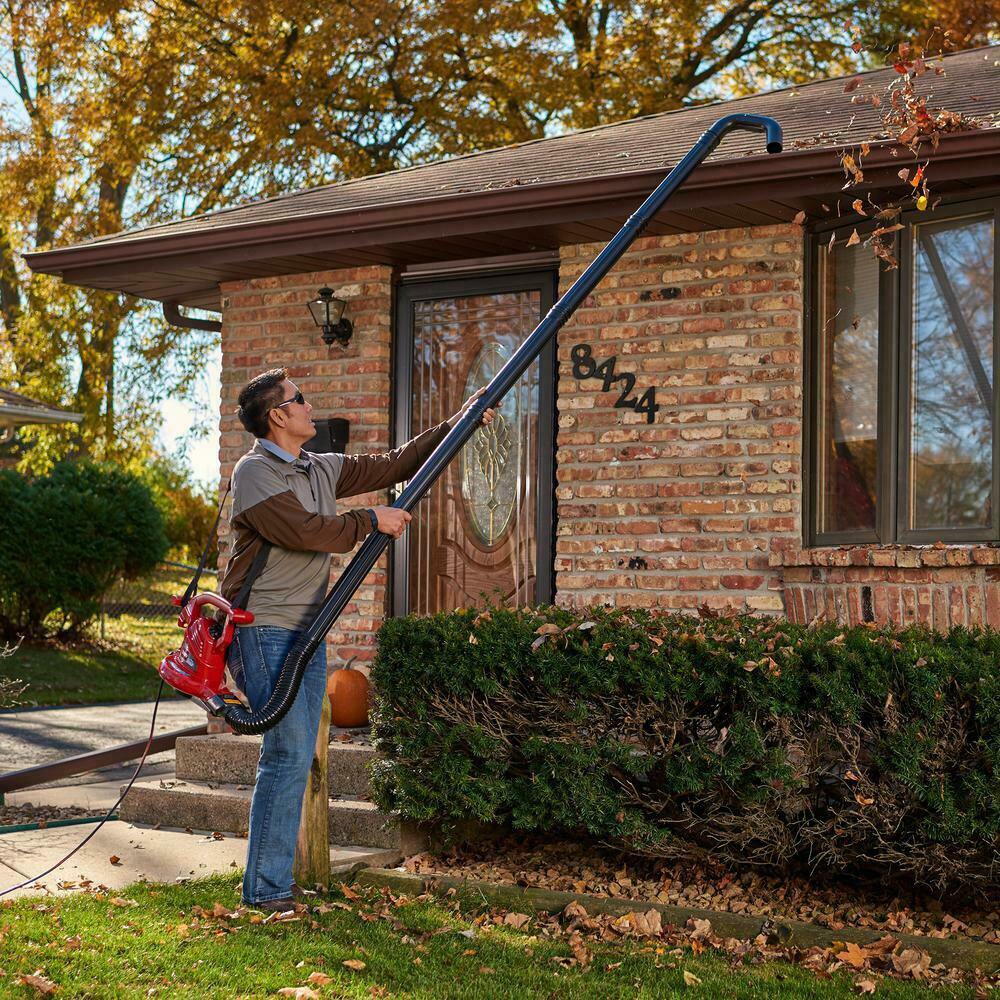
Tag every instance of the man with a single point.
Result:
(287, 497)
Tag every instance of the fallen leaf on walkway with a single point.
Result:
(355, 964)
(115, 860)
(38, 982)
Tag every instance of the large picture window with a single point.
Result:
(903, 393)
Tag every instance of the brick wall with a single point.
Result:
(265, 323)
(684, 511)
(939, 585)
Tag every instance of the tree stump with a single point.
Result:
(312, 850)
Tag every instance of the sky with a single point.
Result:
(179, 419)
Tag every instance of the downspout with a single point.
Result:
(173, 315)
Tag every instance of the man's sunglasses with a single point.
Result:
(297, 398)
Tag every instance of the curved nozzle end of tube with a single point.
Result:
(751, 123)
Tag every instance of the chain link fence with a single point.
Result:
(144, 604)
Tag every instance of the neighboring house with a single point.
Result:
(16, 411)
(824, 441)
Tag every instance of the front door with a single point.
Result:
(483, 533)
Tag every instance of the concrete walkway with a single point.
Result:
(140, 853)
(143, 854)
(38, 735)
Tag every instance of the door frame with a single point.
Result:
(545, 281)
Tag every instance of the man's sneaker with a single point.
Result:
(274, 905)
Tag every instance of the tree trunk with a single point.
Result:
(312, 851)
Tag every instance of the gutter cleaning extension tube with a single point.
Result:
(373, 546)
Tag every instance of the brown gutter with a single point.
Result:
(814, 171)
(173, 315)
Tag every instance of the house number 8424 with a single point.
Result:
(584, 366)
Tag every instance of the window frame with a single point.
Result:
(894, 419)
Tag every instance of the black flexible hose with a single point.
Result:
(298, 657)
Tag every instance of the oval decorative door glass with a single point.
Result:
(491, 460)
(475, 539)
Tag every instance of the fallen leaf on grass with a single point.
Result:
(299, 992)
(73, 943)
(516, 920)
(319, 978)
(911, 962)
(38, 982)
(690, 979)
(648, 924)
(853, 955)
(118, 901)
(581, 952)
(864, 985)
(701, 930)
(349, 892)
(354, 964)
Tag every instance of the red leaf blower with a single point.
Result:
(198, 668)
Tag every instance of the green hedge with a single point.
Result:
(65, 538)
(749, 740)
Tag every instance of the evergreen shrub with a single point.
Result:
(65, 538)
(753, 741)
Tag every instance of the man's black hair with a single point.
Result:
(258, 397)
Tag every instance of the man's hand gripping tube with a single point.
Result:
(295, 663)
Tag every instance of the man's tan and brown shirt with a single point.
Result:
(293, 505)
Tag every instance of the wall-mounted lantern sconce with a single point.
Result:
(328, 312)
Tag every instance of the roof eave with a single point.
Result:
(36, 415)
(815, 171)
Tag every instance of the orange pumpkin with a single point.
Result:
(348, 690)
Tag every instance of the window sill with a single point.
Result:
(906, 556)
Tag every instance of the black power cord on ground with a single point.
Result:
(110, 812)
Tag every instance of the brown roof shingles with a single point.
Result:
(971, 85)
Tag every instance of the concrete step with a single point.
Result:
(202, 805)
(226, 757)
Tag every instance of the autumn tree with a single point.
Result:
(120, 113)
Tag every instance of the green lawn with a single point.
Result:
(117, 660)
(159, 947)
(121, 668)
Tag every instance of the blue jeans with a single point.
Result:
(255, 660)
